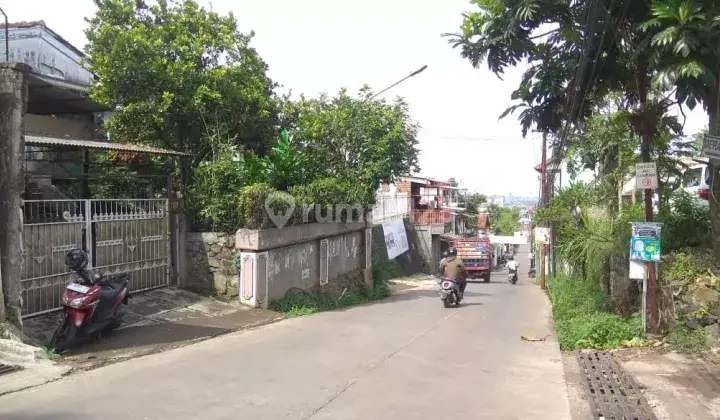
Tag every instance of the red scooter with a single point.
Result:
(92, 306)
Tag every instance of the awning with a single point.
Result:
(37, 140)
(48, 95)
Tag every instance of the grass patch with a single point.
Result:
(582, 317)
(297, 302)
(52, 353)
(687, 340)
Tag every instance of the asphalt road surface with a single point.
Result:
(404, 358)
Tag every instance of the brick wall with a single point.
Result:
(403, 186)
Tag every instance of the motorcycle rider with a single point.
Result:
(453, 268)
(513, 265)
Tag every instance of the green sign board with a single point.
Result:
(645, 242)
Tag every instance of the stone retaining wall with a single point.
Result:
(210, 263)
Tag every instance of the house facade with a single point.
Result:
(431, 207)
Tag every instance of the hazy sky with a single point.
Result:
(315, 46)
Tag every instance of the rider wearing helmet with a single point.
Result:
(452, 267)
(512, 265)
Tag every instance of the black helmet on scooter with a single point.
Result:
(452, 252)
(76, 259)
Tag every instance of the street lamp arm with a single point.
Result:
(415, 73)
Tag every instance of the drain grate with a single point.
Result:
(612, 393)
(5, 369)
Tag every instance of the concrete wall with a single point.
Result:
(46, 52)
(209, 263)
(411, 262)
(298, 265)
(429, 247)
(319, 257)
(77, 126)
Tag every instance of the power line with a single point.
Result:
(472, 138)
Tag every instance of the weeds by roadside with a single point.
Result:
(686, 340)
(52, 353)
(582, 317)
(297, 302)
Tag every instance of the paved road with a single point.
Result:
(404, 358)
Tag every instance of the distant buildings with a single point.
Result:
(497, 200)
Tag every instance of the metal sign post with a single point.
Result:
(646, 249)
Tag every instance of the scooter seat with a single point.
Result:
(116, 283)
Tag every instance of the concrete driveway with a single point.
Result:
(405, 358)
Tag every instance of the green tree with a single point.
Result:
(507, 221)
(362, 141)
(174, 71)
(687, 55)
(473, 202)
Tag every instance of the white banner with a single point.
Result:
(395, 238)
(542, 235)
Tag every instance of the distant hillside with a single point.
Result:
(518, 201)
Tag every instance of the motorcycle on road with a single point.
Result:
(512, 276)
(94, 305)
(450, 293)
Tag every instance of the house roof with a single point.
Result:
(40, 140)
(41, 23)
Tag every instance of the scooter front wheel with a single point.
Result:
(64, 335)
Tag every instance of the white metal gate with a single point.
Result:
(120, 236)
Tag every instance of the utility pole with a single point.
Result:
(651, 275)
(551, 194)
(543, 202)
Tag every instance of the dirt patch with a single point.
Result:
(677, 387)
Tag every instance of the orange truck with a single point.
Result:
(476, 255)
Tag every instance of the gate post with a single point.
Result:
(13, 103)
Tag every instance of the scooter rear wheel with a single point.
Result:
(64, 335)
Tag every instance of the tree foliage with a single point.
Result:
(366, 142)
(173, 70)
(504, 220)
(687, 49)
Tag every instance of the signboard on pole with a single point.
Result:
(542, 235)
(645, 242)
(395, 238)
(711, 146)
(646, 176)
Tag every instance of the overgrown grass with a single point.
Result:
(582, 316)
(686, 340)
(300, 303)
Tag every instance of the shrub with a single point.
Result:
(325, 192)
(212, 197)
(582, 318)
(684, 267)
(251, 206)
(687, 224)
(687, 340)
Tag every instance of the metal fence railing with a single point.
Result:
(389, 207)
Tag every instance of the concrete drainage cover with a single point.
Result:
(5, 369)
(612, 393)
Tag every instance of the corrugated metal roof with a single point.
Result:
(39, 140)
